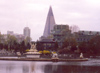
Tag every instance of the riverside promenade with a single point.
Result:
(40, 59)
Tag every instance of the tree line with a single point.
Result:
(90, 48)
(70, 45)
(10, 43)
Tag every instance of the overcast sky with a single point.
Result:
(17, 14)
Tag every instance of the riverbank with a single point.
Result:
(41, 59)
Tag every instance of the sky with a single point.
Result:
(15, 15)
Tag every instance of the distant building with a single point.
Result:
(50, 22)
(10, 32)
(85, 36)
(19, 37)
(60, 33)
(46, 41)
(46, 44)
(26, 32)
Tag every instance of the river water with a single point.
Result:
(91, 66)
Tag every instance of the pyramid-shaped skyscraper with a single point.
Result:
(50, 22)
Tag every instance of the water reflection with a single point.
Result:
(92, 66)
(25, 69)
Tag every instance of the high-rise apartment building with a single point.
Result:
(26, 32)
(50, 22)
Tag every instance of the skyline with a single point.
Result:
(15, 15)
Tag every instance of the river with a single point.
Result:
(91, 66)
